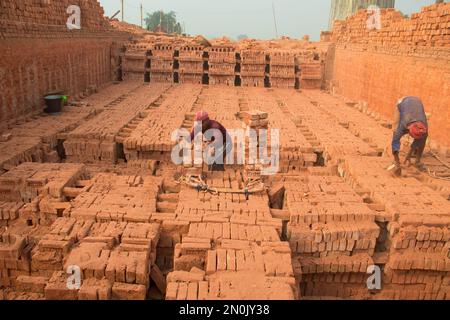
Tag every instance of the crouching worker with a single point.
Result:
(410, 119)
(213, 131)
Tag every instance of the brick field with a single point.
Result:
(135, 233)
(92, 191)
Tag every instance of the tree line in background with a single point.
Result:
(160, 21)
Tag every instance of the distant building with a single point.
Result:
(341, 9)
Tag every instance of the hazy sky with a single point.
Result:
(215, 18)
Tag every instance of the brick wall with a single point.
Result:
(405, 57)
(430, 27)
(26, 18)
(39, 54)
(31, 68)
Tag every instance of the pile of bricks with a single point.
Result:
(29, 180)
(191, 64)
(121, 236)
(18, 150)
(109, 197)
(9, 211)
(35, 138)
(311, 75)
(282, 69)
(253, 68)
(122, 255)
(332, 233)
(183, 61)
(223, 243)
(134, 62)
(42, 186)
(255, 119)
(295, 150)
(336, 141)
(244, 285)
(417, 224)
(221, 103)
(152, 137)
(14, 257)
(357, 118)
(95, 140)
(200, 207)
(161, 65)
(222, 64)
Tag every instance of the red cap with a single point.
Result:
(201, 116)
(417, 130)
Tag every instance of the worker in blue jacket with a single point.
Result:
(410, 119)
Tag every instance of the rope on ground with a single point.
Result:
(200, 185)
(439, 159)
(433, 175)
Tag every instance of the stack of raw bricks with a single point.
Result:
(253, 67)
(296, 152)
(190, 61)
(223, 104)
(36, 136)
(228, 238)
(106, 234)
(430, 27)
(222, 65)
(257, 124)
(134, 61)
(37, 190)
(185, 60)
(152, 137)
(332, 234)
(161, 65)
(356, 117)
(416, 222)
(311, 118)
(311, 75)
(97, 139)
(22, 192)
(282, 69)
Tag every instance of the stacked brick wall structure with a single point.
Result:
(282, 69)
(405, 57)
(253, 68)
(134, 62)
(191, 64)
(162, 63)
(222, 63)
(40, 54)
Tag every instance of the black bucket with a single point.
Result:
(54, 103)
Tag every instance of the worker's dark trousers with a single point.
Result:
(221, 155)
(418, 146)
